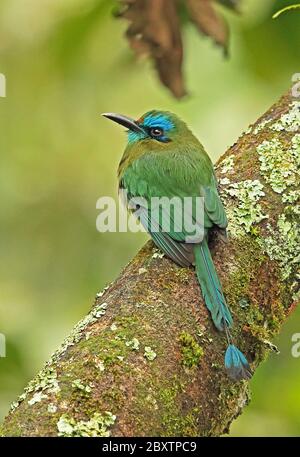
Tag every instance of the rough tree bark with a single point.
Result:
(147, 360)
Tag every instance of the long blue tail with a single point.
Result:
(236, 363)
(211, 287)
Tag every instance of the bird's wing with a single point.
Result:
(214, 209)
(180, 252)
(170, 241)
(184, 185)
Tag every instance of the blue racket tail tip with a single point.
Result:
(236, 364)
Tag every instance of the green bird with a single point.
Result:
(164, 161)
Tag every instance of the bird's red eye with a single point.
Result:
(156, 131)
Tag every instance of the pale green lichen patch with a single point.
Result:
(191, 351)
(97, 425)
(282, 244)
(99, 364)
(242, 205)
(227, 165)
(279, 166)
(149, 354)
(248, 130)
(133, 344)
(296, 142)
(158, 255)
(52, 408)
(290, 121)
(84, 388)
(102, 292)
(291, 197)
(37, 397)
(224, 181)
(261, 126)
(43, 384)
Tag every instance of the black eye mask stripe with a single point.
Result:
(162, 138)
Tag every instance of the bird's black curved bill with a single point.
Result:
(127, 122)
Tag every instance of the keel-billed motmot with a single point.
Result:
(164, 159)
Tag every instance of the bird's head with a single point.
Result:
(153, 128)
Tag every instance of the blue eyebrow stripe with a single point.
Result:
(158, 121)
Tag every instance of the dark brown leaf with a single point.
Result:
(208, 21)
(155, 30)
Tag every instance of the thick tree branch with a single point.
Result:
(147, 359)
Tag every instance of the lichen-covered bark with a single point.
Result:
(147, 360)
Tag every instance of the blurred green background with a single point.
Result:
(66, 62)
